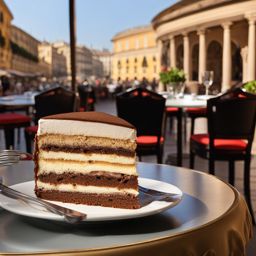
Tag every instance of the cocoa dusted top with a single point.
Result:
(92, 116)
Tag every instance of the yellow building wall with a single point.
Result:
(5, 30)
(131, 47)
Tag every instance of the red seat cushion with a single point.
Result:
(90, 101)
(147, 140)
(196, 111)
(171, 110)
(13, 118)
(227, 144)
(32, 129)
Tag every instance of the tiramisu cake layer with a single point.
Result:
(87, 158)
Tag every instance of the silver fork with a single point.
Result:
(9, 157)
(155, 193)
(69, 215)
(146, 196)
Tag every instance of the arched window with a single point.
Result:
(237, 66)
(179, 56)
(214, 61)
(144, 62)
(195, 62)
(135, 60)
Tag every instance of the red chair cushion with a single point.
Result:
(90, 101)
(226, 144)
(32, 129)
(13, 118)
(148, 140)
(196, 111)
(171, 110)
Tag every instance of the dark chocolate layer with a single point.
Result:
(108, 200)
(94, 149)
(98, 117)
(99, 179)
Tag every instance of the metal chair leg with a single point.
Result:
(247, 190)
(231, 176)
(191, 160)
(211, 166)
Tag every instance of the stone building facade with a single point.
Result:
(213, 35)
(135, 54)
(105, 56)
(24, 49)
(5, 36)
(57, 62)
(83, 60)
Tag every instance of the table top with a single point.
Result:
(207, 203)
(188, 101)
(23, 100)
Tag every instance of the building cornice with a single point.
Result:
(143, 51)
(7, 8)
(132, 31)
(188, 7)
(209, 18)
(25, 33)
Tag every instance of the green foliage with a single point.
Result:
(173, 75)
(2, 41)
(250, 87)
(16, 49)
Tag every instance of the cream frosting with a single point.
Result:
(109, 158)
(85, 189)
(74, 127)
(59, 167)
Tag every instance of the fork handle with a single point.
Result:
(69, 215)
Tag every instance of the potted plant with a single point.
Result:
(173, 79)
(250, 87)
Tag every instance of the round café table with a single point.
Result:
(18, 101)
(211, 219)
(181, 103)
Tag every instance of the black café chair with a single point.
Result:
(87, 97)
(146, 111)
(54, 101)
(231, 126)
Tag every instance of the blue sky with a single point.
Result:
(97, 20)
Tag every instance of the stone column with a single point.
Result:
(172, 52)
(159, 50)
(202, 54)
(244, 54)
(251, 48)
(186, 56)
(226, 57)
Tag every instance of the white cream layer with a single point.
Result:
(109, 158)
(59, 167)
(84, 189)
(72, 127)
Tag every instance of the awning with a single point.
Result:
(3, 72)
(22, 74)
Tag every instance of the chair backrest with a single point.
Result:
(144, 109)
(232, 116)
(86, 92)
(54, 101)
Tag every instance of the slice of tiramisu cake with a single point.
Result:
(86, 158)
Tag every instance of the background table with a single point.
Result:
(211, 219)
(17, 101)
(186, 102)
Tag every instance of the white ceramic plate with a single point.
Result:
(94, 213)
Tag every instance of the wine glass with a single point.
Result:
(207, 80)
